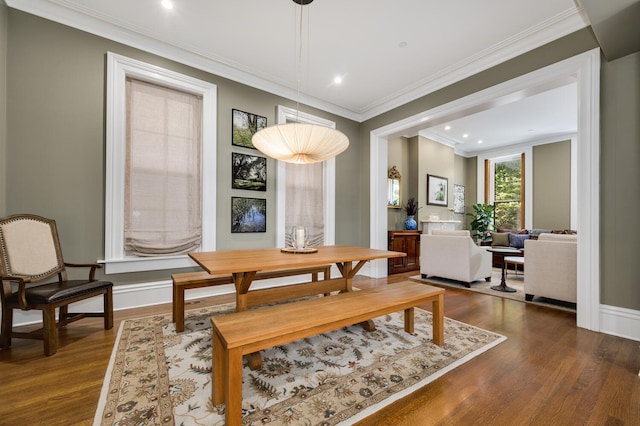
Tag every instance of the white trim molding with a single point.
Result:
(585, 70)
(118, 69)
(620, 322)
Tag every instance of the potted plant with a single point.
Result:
(411, 208)
(482, 219)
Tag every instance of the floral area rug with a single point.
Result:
(158, 377)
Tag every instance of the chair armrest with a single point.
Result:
(22, 286)
(93, 266)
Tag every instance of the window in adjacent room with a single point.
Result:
(507, 191)
(160, 201)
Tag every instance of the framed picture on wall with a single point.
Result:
(248, 215)
(458, 198)
(244, 125)
(437, 191)
(248, 172)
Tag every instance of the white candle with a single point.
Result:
(300, 238)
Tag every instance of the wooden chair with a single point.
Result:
(30, 253)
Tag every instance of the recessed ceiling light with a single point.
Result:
(447, 127)
(480, 141)
(465, 135)
(167, 4)
(337, 79)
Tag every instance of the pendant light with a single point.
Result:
(300, 143)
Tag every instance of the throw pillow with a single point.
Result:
(517, 240)
(500, 239)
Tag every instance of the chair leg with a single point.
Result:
(7, 326)
(108, 309)
(63, 312)
(49, 330)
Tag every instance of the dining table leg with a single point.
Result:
(242, 282)
(349, 271)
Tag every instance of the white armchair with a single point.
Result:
(453, 255)
(551, 267)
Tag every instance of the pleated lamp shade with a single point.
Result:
(300, 143)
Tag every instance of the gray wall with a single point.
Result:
(566, 47)
(552, 185)
(3, 110)
(398, 155)
(434, 159)
(620, 197)
(619, 147)
(471, 185)
(56, 140)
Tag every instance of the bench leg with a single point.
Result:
(438, 320)
(178, 308)
(408, 320)
(368, 325)
(218, 370)
(233, 387)
(327, 276)
(254, 360)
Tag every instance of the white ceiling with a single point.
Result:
(388, 52)
(544, 117)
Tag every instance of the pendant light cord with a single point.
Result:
(299, 68)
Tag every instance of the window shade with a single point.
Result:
(162, 171)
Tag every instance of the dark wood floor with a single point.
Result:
(548, 372)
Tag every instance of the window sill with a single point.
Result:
(139, 264)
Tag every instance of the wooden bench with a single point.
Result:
(240, 333)
(191, 280)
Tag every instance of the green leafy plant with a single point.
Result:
(411, 208)
(482, 219)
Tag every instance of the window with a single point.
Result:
(306, 192)
(507, 185)
(160, 188)
(508, 193)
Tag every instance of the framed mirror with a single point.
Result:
(393, 190)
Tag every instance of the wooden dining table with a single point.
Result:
(244, 264)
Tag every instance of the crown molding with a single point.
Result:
(558, 26)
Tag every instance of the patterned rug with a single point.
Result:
(158, 377)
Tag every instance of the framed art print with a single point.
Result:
(248, 215)
(248, 172)
(458, 198)
(437, 191)
(245, 125)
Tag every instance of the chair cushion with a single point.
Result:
(517, 240)
(57, 292)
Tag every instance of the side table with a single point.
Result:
(503, 282)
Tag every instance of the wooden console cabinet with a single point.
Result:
(407, 242)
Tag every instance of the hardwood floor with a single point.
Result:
(548, 372)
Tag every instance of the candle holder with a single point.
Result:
(299, 241)
(299, 237)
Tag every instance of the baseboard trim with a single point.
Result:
(620, 322)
